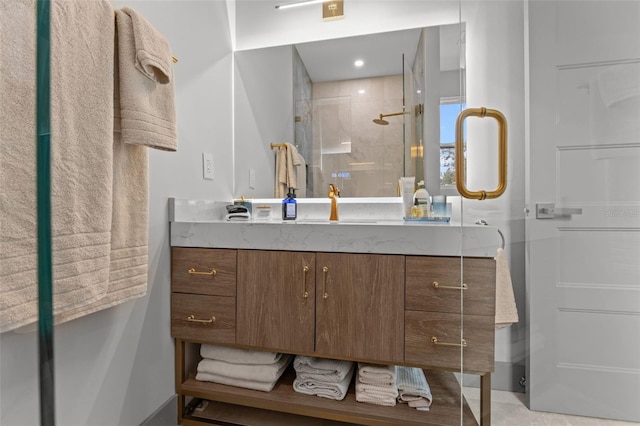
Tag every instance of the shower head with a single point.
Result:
(384, 122)
(380, 121)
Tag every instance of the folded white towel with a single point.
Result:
(378, 394)
(232, 381)
(506, 310)
(377, 374)
(238, 356)
(331, 390)
(255, 372)
(321, 369)
(413, 387)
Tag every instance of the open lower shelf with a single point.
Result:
(445, 409)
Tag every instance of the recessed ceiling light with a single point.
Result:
(358, 63)
(361, 91)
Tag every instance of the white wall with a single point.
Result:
(115, 367)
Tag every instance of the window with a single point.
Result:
(449, 110)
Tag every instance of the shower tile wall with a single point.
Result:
(362, 158)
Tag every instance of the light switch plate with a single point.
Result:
(207, 165)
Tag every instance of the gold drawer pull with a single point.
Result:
(305, 293)
(434, 340)
(435, 284)
(192, 318)
(325, 271)
(192, 271)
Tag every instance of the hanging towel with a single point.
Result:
(255, 372)
(506, 310)
(413, 387)
(147, 106)
(81, 156)
(310, 384)
(134, 92)
(378, 393)
(238, 356)
(301, 174)
(287, 161)
(377, 374)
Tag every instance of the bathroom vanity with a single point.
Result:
(387, 292)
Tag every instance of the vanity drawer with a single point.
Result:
(421, 327)
(203, 318)
(422, 295)
(203, 271)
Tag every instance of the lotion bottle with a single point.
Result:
(290, 206)
(422, 201)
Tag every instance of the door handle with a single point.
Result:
(549, 211)
(502, 154)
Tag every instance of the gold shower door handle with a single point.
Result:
(305, 293)
(502, 153)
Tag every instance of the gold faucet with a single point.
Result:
(334, 193)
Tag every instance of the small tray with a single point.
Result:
(428, 219)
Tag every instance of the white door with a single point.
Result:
(584, 269)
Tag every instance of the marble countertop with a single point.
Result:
(200, 224)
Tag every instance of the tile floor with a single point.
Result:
(509, 409)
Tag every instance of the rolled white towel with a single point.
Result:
(413, 387)
(331, 390)
(231, 381)
(377, 374)
(255, 372)
(378, 394)
(321, 369)
(238, 356)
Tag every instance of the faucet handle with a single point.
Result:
(334, 191)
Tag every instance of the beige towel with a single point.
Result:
(377, 374)
(375, 393)
(254, 372)
(81, 155)
(506, 310)
(238, 356)
(128, 266)
(287, 161)
(311, 385)
(233, 381)
(321, 369)
(147, 104)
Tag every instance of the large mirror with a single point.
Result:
(359, 127)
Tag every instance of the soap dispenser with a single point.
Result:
(290, 206)
(422, 202)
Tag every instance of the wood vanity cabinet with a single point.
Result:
(364, 307)
(334, 304)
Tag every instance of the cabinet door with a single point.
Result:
(360, 306)
(275, 300)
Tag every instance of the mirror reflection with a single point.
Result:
(356, 118)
